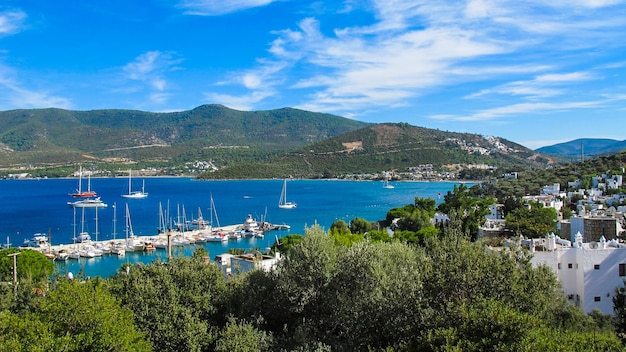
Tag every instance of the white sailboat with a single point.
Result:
(133, 244)
(386, 183)
(283, 203)
(134, 194)
(216, 234)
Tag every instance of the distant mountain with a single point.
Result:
(51, 136)
(272, 143)
(584, 147)
(388, 146)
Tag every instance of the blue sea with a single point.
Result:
(40, 206)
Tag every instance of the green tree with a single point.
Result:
(340, 227)
(176, 304)
(285, 243)
(28, 333)
(470, 207)
(534, 222)
(360, 226)
(30, 264)
(242, 337)
(91, 318)
(619, 312)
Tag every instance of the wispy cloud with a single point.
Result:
(412, 48)
(219, 7)
(12, 22)
(150, 68)
(517, 110)
(541, 87)
(239, 102)
(15, 96)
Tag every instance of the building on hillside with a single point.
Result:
(494, 224)
(592, 228)
(237, 264)
(554, 189)
(588, 272)
(547, 200)
(18, 176)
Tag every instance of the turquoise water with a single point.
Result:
(40, 206)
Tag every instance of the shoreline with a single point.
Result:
(195, 178)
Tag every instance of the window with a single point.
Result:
(559, 266)
(596, 267)
(596, 298)
(569, 265)
(622, 270)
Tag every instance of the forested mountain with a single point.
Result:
(584, 147)
(48, 136)
(391, 146)
(272, 143)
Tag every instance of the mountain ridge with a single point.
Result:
(584, 147)
(296, 141)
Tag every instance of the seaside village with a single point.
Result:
(587, 256)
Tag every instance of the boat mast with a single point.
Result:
(130, 172)
(114, 219)
(96, 224)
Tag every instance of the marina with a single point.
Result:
(183, 208)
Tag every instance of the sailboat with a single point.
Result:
(133, 244)
(116, 247)
(79, 192)
(216, 234)
(386, 183)
(283, 203)
(134, 194)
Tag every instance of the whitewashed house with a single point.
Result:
(588, 272)
(237, 264)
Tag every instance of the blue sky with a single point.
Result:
(534, 72)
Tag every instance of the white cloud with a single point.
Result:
(542, 86)
(11, 22)
(219, 7)
(517, 110)
(411, 48)
(239, 102)
(150, 69)
(14, 96)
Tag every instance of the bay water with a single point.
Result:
(40, 206)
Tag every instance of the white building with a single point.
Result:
(554, 189)
(548, 201)
(588, 272)
(238, 264)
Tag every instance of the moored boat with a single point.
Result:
(79, 193)
(282, 202)
(135, 194)
(88, 203)
(39, 240)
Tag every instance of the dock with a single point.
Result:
(167, 240)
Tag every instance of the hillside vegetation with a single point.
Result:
(257, 144)
(55, 136)
(390, 147)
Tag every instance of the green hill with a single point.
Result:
(56, 136)
(584, 148)
(375, 148)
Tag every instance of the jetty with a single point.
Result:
(164, 239)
